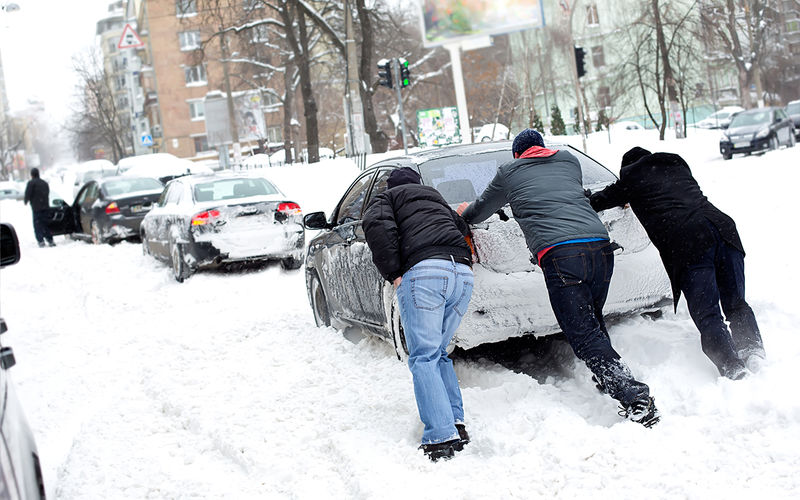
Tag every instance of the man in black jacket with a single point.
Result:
(418, 243)
(700, 249)
(37, 193)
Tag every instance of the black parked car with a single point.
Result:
(204, 221)
(793, 110)
(508, 299)
(757, 130)
(20, 472)
(106, 210)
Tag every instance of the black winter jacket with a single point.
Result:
(37, 193)
(410, 223)
(673, 210)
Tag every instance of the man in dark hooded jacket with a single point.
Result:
(37, 193)
(417, 243)
(700, 249)
(566, 237)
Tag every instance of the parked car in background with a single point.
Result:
(757, 130)
(205, 221)
(11, 191)
(93, 169)
(20, 471)
(106, 210)
(509, 297)
(793, 111)
(719, 119)
(161, 166)
(626, 125)
(490, 132)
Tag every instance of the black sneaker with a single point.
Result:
(642, 411)
(436, 451)
(51, 243)
(41, 244)
(463, 437)
(734, 371)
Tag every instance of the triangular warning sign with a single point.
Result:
(129, 39)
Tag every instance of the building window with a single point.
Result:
(603, 97)
(119, 83)
(122, 102)
(259, 33)
(598, 57)
(592, 18)
(189, 40)
(197, 109)
(185, 7)
(195, 75)
(112, 45)
(274, 134)
(792, 26)
(200, 144)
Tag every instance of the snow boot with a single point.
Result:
(463, 437)
(735, 370)
(754, 358)
(435, 451)
(641, 411)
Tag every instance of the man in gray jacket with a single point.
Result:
(571, 244)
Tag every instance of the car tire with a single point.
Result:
(792, 140)
(398, 334)
(319, 304)
(727, 156)
(291, 263)
(146, 251)
(97, 237)
(180, 271)
(774, 144)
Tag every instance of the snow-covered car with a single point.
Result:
(161, 166)
(11, 191)
(719, 119)
(626, 125)
(757, 130)
(106, 210)
(491, 132)
(20, 471)
(793, 110)
(509, 298)
(90, 170)
(205, 221)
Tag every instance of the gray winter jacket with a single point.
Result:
(546, 197)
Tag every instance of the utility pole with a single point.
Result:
(398, 78)
(578, 100)
(237, 148)
(353, 105)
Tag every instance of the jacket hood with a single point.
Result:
(633, 155)
(538, 152)
(404, 175)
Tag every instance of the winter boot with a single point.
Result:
(463, 437)
(436, 451)
(734, 370)
(753, 357)
(642, 411)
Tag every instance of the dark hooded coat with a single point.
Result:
(673, 210)
(409, 223)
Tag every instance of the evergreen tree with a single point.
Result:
(557, 126)
(602, 120)
(537, 124)
(576, 128)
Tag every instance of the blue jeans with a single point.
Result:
(577, 276)
(717, 277)
(40, 228)
(433, 296)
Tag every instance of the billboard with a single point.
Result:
(438, 127)
(249, 118)
(450, 21)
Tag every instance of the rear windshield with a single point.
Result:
(793, 109)
(123, 186)
(751, 118)
(226, 189)
(463, 178)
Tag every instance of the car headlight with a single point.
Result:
(762, 133)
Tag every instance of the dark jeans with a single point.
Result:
(577, 277)
(40, 228)
(717, 277)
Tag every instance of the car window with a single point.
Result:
(380, 184)
(162, 200)
(793, 108)
(353, 202)
(175, 193)
(751, 118)
(225, 189)
(123, 186)
(780, 114)
(89, 193)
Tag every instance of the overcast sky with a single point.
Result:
(37, 43)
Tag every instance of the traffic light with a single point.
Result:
(405, 81)
(385, 72)
(579, 55)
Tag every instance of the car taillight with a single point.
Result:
(205, 217)
(289, 207)
(112, 208)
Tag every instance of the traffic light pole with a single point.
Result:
(398, 79)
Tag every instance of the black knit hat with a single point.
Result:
(525, 140)
(633, 155)
(34, 173)
(404, 175)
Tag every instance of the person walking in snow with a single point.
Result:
(701, 251)
(571, 245)
(37, 193)
(418, 244)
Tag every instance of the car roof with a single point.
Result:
(216, 176)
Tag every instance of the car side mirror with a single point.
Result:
(316, 220)
(58, 202)
(9, 245)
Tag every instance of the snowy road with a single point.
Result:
(222, 387)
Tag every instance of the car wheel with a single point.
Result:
(792, 140)
(319, 304)
(97, 238)
(727, 156)
(399, 336)
(291, 263)
(179, 268)
(774, 144)
(145, 245)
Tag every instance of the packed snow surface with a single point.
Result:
(137, 386)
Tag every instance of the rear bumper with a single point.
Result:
(121, 227)
(209, 249)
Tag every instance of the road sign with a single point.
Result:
(147, 140)
(129, 39)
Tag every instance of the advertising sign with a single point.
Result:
(438, 127)
(249, 118)
(450, 21)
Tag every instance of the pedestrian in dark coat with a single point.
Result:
(566, 237)
(37, 193)
(418, 243)
(700, 248)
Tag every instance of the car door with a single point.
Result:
(84, 205)
(338, 264)
(784, 125)
(60, 218)
(167, 216)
